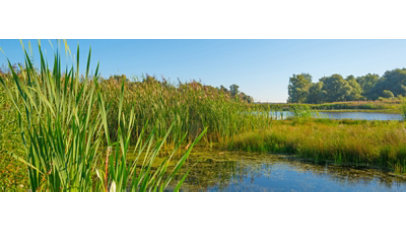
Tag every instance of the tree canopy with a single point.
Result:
(335, 88)
(299, 87)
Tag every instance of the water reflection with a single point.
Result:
(232, 171)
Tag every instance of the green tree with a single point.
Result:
(367, 83)
(394, 80)
(234, 90)
(298, 88)
(355, 91)
(224, 89)
(387, 94)
(246, 97)
(336, 88)
(316, 93)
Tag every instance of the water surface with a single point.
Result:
(234, 171)
(344, 115)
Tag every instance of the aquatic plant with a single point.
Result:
(190, 107)
(63, 123)
(374, 143)
(50, 100)
(302, 111)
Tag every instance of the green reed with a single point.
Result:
(64, 127)
(190, 107)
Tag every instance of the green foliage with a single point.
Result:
(302, 112)
(316, 93)
(191, 106)
(355, 91)
(234, 90)
(298, 88)
(367, 84)
(337, 89)
(84, 133)
(394, 81)
(345, 141)
(387, 94)
(63, 122)
(13, 174)
(235, 93)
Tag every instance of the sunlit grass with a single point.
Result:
(354, 142)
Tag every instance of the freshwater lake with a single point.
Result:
(246, 172)
(344, 115)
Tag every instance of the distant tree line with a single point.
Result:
(335, 88)
(234, 92)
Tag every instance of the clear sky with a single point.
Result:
(260, 67)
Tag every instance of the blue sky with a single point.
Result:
(260, 67)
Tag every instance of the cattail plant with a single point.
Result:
(65, 133)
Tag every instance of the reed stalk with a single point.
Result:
(63, 120)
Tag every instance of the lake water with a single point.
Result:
(344, 115)
(233, 171)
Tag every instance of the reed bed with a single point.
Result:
(346, 142)
(65, 128)
(190, 107)
(80, 132)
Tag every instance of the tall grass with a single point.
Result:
(302, 112)
(13, 176)
(404, 109)
(64, 125)
(190, 107)
(354, 142)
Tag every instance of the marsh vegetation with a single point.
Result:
(66, 129)
(368, 143)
